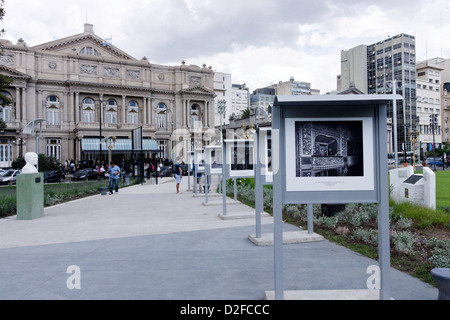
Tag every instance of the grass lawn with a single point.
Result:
(442, 188)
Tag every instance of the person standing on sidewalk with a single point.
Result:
(178, 173)
(114, 172)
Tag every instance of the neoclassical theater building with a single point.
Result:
(80, 85)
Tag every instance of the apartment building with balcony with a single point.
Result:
(429, 96)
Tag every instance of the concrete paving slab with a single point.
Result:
(147, 242)
(266, 239)
(361, 294)
(242, 215)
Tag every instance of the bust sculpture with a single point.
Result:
(31, 160)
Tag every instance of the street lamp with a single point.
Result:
(171, 135)
(110, 144)
(394, 119)
(221, 109)
(434, 123)
(101, 137)
(414, 137)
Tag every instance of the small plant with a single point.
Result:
(403, 223)
(342, 231)
(440, 258)
(326, 222)
(403, 241)
(368, 236)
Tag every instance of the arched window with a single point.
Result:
(6, 111)
(133, 112)
(161, 116)
(111, 111)
(195, 115)
(53, 110)
(89, 51)
(88, 110)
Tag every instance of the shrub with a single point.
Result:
(440, 258)
(368, 236)
(403, 223)
(342, 231)
(359, 217)
(403, 241)
(326, 222)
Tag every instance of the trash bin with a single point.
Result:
(103, 190)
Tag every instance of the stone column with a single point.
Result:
(66, 107)
(39, 105)
(150, 111)
(123, 109)
(24, 105)
(18, 105)
(187, 107)
(72, 107)
(144, 110)
(77, 107)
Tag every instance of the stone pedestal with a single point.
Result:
(30, 196)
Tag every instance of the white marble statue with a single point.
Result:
(31, 160)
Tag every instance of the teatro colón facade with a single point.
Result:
(70, 95)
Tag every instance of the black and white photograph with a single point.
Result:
(241, 158)
(214, 159)
(329, 154)
(199, 157)
(329, 148)
(265, 153)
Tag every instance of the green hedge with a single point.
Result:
(53, 193)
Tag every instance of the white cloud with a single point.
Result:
(258, 41)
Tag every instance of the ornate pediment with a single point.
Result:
(12, 73)
(84, 44)
(198, 90)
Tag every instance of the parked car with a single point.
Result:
(54, 176)
(86, 174)
(391, 162)
(9, 176)
(165, 172)
(431, 160)
(184, 169)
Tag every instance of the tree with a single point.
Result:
(245, 113)
(46, 163)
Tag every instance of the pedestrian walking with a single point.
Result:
(178, 173)
(158, 172)
(114, 172)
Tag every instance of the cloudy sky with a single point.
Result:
(259, 42)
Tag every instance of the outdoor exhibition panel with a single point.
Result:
(263, 172)
(331, 149)
(199, 163)
(213, 159)
(213, 165)
(264, 155)
(239, 158)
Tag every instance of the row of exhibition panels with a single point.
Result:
(276, 155)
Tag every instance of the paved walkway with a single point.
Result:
(146, 242)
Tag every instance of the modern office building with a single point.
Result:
(85, 88)
(376, 69)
